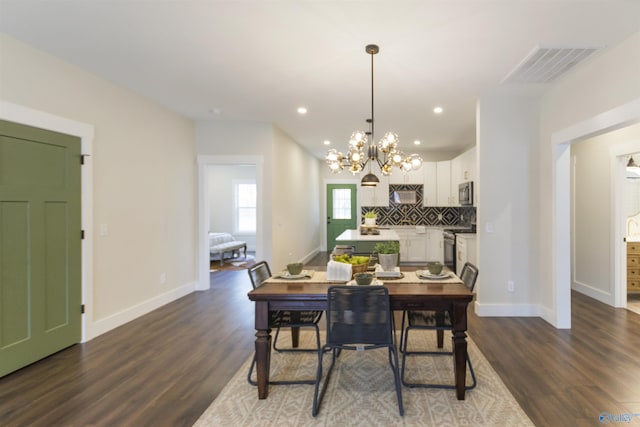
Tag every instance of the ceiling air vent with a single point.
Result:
(543, 65)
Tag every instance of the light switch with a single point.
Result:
(104, 230)
(489, 227)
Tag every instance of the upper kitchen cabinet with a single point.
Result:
(413, 177)
(375, 196)
(430, 188)
(444, 193)
(465, 170)
(466, 167)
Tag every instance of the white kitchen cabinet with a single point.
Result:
(430, 184)
(413, 177)
(466, 251)
(468, 165)
(375, 196)
(465, 170)
(456, 179)
(444, 183)
(413, 245)
(435, 245)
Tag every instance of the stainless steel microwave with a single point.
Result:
(465, 193)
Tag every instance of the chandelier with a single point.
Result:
(363, 151)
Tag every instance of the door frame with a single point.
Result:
(619, 117)
(86, 132)
(202, 256)
(618, 177)
(326, 182)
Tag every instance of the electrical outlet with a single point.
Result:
(163, 278)
(511, 286)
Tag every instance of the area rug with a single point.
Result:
(233, 264)
(361, 392)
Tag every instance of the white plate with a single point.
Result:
(303, 274)
(424, 274)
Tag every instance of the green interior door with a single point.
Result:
(341, 211)
(40, 244)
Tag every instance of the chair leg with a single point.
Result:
(277, 382)
(319, 392)
(435, 353)
(396, 375)
(275, 341)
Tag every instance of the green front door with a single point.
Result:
(40, 244)
(341, 211)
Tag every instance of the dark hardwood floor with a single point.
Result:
(165, 368)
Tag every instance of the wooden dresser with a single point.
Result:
(633, 266)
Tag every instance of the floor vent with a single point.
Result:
(543, 65)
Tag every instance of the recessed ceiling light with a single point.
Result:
(416, 142)
(327, 142)
(438, 110)
(302, 110)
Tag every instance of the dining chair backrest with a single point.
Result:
(469, 275)
(258, 273)
(358, 315)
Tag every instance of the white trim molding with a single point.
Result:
(40, 119)
(560, 314)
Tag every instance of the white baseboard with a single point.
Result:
(590, 291)
(310, 256)
(507, 310)
(99, 327)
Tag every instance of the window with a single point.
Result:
(245, 206)
(342, 203)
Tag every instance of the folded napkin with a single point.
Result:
(338, 271)
(304, 274)
(389, 274)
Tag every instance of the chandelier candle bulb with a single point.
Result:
(385, 153)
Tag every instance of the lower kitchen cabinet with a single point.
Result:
(633, 266)
(466, 251)
(413, 245)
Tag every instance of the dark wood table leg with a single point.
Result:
(295, 331)
(263, 348)
(459, 343)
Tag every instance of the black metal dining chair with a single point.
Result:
(358, 318)
(439, 321)
(258, 273)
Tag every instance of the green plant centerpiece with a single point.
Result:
(370, 218)
(388, 254)
(388, 247)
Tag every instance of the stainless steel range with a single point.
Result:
(449, 236)
(449, 249)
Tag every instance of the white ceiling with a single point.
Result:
(260, 59)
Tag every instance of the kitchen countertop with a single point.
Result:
(354, 235)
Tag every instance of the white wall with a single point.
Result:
(580, 100)
(143, 188)
(592, 214)
(507, 142)
(296, 202)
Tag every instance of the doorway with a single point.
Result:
(341, 211)
(617, 118)
(205, 162)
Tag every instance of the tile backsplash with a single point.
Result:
(416, 214)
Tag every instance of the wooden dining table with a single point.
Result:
(409, 292)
